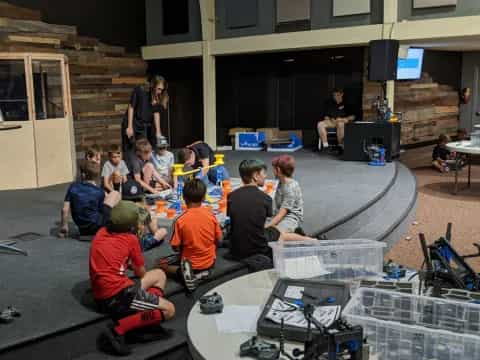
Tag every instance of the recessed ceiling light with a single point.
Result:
(288, 60)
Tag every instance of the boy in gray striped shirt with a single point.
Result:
(288, 200)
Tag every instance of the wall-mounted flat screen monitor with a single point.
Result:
(410, 68)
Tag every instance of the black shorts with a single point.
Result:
(129, 300)
(272, 234)
(200, 275)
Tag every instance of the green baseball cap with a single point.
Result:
(124, 217)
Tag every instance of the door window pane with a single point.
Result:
(13, 91)
(48, 89)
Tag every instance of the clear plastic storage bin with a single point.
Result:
(330, 259)
(410, 327)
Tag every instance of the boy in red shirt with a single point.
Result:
(195, 235)
(134, 304)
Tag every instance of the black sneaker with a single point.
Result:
(148, 334)
(319, 236)
(188, 276)
(113, 343)
(299, 231)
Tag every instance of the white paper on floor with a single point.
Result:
(238, 319)
(304, 267)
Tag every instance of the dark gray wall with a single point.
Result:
(154, 20)
(470, 78)
(463, 8)
(185, 88)
(445, 67)
(265, 19)
(115, 22)
(264, 90)
(321, 17)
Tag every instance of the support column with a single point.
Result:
(207, 9)
(209, 97)
(390, 18)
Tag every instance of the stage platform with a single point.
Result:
(50, 285)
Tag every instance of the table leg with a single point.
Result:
(455, 186)
(469, 159)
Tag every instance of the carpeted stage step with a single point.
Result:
(71, 326)
(385, 217)
(174, 348)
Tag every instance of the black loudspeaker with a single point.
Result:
(382, 62)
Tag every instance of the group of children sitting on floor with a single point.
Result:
(123, 229)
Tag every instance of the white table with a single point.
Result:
(463, 147)
(204, 339)
(206, 342)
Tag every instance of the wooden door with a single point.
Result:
(17, 155)
(51, 104)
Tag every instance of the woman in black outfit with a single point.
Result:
(143, 115)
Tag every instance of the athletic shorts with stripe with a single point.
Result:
(128, 301)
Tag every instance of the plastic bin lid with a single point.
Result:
(330, 244)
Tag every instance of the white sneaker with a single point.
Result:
(188, 275)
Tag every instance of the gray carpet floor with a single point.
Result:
(49, 285)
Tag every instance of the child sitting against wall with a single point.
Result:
(441, 154)
(115, 171)
(196, 234)
(87, 202)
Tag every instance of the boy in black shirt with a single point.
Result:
(248, 208)
(440, 154)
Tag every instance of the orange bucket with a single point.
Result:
(222, 205)
(160, 206)
(171, 213)
(269, 187)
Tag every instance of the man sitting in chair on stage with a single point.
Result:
(336, 116)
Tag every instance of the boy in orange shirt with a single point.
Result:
(195, 235)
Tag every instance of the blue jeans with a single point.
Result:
(212, 175)
(148, 242)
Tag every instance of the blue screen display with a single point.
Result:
(411, 67)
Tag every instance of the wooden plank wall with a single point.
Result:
(429, 108)
(102, 76)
